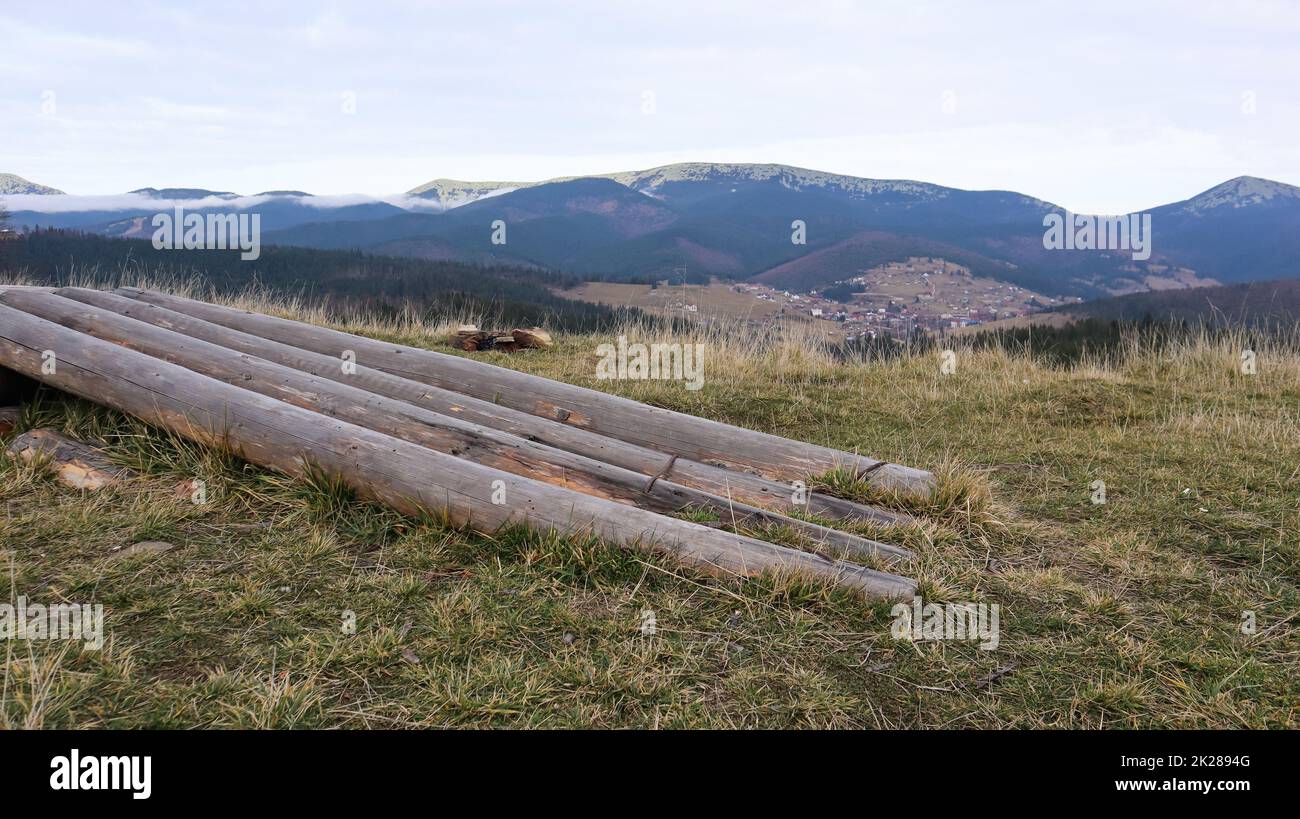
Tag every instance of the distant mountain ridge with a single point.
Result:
(736, 219)
(652, 180)
(793, 228)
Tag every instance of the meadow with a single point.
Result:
(1172, 604)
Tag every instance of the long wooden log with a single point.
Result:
(737, 486)
(408, 477)
(672, 432)
(453, 436)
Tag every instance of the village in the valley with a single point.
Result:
(899, 297)
(896, 299)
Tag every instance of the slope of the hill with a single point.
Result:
(1273, 303)
(294, 605)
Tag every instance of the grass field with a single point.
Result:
(714, 301)
(1122, 614)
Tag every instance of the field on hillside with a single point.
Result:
(1127, 613)
(717, 300)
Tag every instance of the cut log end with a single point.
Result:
(533, 338)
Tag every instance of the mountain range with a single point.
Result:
(741, 221)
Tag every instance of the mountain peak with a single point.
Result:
(453, 192)
(1240, 192)
(13, 184)
(790, 176)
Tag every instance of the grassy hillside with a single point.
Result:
(1125, 614)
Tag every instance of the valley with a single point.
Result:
(897, 299)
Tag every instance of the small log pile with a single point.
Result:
(483, 445)
(473, 340)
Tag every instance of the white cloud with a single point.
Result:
(134, 202)
(1067, 105)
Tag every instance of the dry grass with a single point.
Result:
(1123, 614)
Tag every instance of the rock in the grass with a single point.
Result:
(8, 419)
(77, 464)
(145, 547)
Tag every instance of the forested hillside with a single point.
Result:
(510, 295)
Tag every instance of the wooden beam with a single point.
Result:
(453, 436)
(408, 477)
(671, 432)
(740, 487)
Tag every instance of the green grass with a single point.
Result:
(1125, 614)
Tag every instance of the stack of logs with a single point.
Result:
(473, 340)
(423, 431)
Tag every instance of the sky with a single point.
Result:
(1103, 107)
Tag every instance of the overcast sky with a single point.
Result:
(1098, 106)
